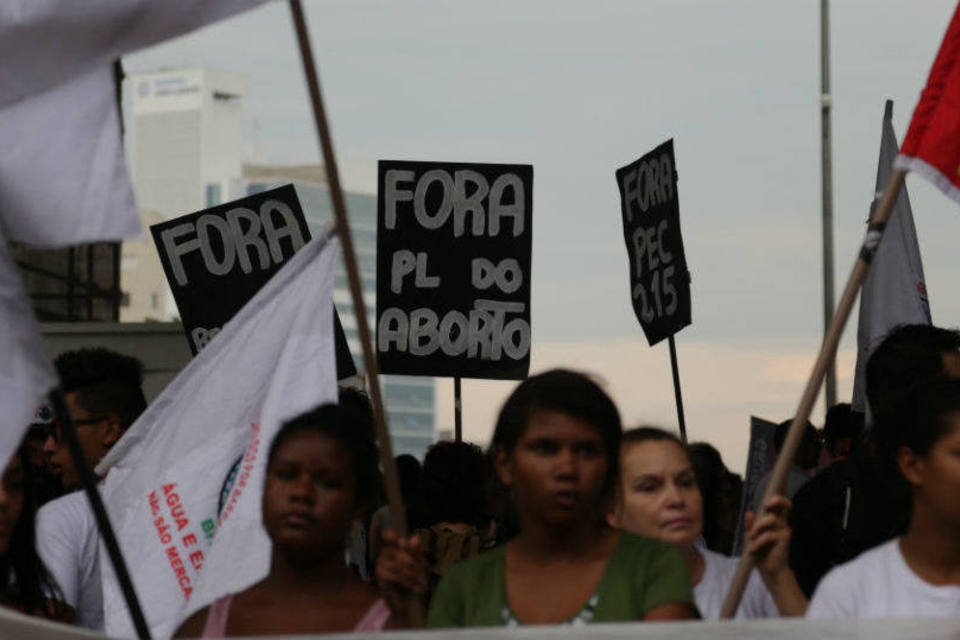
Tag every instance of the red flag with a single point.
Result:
(932, 145)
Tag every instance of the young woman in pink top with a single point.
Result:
(321, 474)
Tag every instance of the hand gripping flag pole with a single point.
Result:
(828, 352)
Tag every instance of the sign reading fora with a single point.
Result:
(453, 269)
(659, 280)
(215, 260)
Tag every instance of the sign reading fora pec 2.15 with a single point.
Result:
(453, 269)
(659, 280)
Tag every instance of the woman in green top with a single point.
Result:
(556, 449)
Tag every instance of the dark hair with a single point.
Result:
(567, 392)
(357, 403)
(454, 482)
(105, 382)
(720, 492)
(927, 414)
(24, 581)
(780, 433)
(910, 355)
(348, 428)
(842, 422)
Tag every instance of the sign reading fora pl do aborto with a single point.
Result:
(215, 260)
(659, 280)
(453, 269)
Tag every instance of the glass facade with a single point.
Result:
(409, 400)
(75, 284)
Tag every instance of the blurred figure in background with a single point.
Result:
(25, 583)
(454, 490)
(804, 462)
(842, 430)
(721, 490)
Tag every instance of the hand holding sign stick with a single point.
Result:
(828, 352)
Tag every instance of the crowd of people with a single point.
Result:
(568, 518)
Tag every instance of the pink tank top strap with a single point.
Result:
(216, 625)
(375, 619)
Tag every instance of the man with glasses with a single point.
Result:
(103, 395)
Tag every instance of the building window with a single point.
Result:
(213, 195)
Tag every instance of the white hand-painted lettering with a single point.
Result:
(649, 185)
(462, 195)
(485, 333)
(262, 234)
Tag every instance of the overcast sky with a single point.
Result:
(579, 89)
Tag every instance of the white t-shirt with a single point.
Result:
(718, 571)
(879, 584)
(69, 545)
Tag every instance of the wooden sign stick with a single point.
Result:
(828, 352)
(677, 394)
(398, 518)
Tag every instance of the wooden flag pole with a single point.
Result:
(398, 518)
(89, 483)
(457, 411)
(828, 352)
(676, 388)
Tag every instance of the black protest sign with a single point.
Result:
(760, 458)
(659, 280)
(453, 269)
(215, 260)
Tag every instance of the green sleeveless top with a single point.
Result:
(641, 574)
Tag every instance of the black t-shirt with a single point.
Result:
(849, 507)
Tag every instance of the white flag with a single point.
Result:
(62, 175)
(200, 449)
(894, 292)
(26, 374)
(44, 43)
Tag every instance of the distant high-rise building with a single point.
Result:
(186, 138)
(185, 130)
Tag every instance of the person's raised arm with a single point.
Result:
(768, 539)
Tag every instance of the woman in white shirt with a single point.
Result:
(917, 575)
(658, 497)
